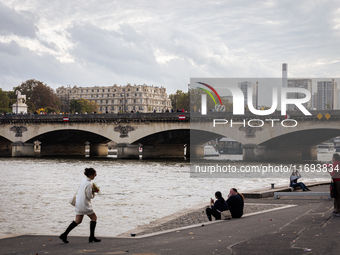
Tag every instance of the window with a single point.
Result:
(134, 100)
(127, 95)
(92, 90)
(96, 95)
(137, 89)
(112, 101)
(108, 95)
(108, 90)
(128, 89)
(81, 91)
(102, 95)
(107, 101)
(87, 90)
(112, 108)
(103, 90)
(141, 100)
(114, 90)
(91, 96)
(135, 95)
(97, 90)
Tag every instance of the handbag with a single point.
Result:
(332, 190)
(226, 215)
(73, 200)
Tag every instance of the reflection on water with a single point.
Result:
(35, 192)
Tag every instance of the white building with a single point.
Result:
(115, 99)
(254, 87)
(300, 83)
(327, 95)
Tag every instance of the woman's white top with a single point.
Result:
(84, 196)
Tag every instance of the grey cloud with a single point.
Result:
(11, 48)
(16, 23)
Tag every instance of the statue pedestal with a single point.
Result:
(19, 108)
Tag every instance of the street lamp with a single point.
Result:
(188, 97)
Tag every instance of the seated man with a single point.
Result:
(217, 207)
(235, 202)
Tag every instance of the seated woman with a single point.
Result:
(217, 207)
(235, 202)
(293, 181)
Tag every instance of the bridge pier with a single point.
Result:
(195, 151)
(254, 152)
(127, 151)
(62, 150)
(5, 149)
(99, 150)
(310, 153)
(163, 151)
(20, 149)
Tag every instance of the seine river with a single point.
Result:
(35, 192)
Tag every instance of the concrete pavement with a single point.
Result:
(305, 228)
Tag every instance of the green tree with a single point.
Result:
(179, 100)
(195, 101)
(82, 105)
(4, 102)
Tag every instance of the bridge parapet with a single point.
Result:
(81, 118)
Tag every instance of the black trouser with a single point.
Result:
(214, 213)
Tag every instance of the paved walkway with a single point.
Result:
(305, 228)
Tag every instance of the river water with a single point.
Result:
(35, 192)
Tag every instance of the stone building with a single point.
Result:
(116, 99)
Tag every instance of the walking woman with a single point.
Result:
(83, 206)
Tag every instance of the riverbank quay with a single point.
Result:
(305, 226)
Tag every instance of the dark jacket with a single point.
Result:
(236, 205)
(220, 205)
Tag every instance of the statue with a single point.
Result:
(20, 106)
(20, 98)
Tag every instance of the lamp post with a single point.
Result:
(188, 97)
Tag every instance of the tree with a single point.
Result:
(195, 101)
(179, 100)
(82, 105)
(4, 102)
(42, 97)
(38, 95)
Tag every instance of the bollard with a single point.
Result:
(273, 185)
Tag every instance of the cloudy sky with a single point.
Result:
(165, 43)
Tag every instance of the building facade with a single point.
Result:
(300, 83)
(254, 88)
(118, 99)
(326, 95)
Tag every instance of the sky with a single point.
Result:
(165, 43)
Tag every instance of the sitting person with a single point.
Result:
(235, 202)
(217, 207)
(293, 181)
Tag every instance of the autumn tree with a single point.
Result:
(39, 95)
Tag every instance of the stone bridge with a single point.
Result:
(164, 135)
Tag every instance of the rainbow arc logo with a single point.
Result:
(208, 92)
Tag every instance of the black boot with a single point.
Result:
(92, 228)
(63, 236)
